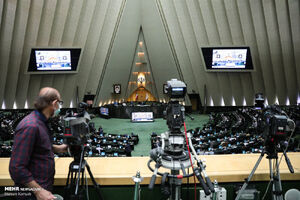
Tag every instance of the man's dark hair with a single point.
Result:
(45, 98)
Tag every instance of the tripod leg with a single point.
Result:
(72, 181)
(96, 185)
(81, 162)
(67, 187)
(68, 178)
(178, 192)
(82, 178)
(277, 180)
(173, 190)
(250, 176)
(272, 179)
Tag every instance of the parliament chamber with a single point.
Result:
(150, 99)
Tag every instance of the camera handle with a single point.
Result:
(153, 178)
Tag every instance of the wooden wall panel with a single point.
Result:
(213, 86)
(175, 32)
(104, 49)
(16, 52)
(192, 34)
(250, 39)
(286, 43)
(39, 23)
(31, 35)
(6, 37)
(225, 39)
(262, 25)
(238, 81)
(294, 16)
(57, 33)
(175, 18)
(43, 38)
(275, 50)
(89, 55)
(81, 27)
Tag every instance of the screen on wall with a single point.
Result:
(104, 111)
(227, 58)
(54, 60)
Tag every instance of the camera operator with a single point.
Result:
(32, 160)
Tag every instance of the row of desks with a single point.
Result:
(119, 171)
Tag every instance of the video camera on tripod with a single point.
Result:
(77, 128)
(172, 154)
(278, 128)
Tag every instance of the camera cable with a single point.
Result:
(287, 145)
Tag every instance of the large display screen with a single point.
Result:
(54, 60)
(104, 111)
(227, 58)
(142, 117)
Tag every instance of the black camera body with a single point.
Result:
(176, 89)
(174, 116)
(76, 127)
(259, 101)
(277, 124)
(277, 128)
(174, 113)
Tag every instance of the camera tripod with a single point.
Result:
(172, 154)
(74, 189)
(274, 176)
(175, 164)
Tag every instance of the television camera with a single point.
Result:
(172, 154)
(77, 128)
(259, 101)
(278, 128)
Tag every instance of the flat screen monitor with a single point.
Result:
(54, 60)
(142, 117)
(104, 111)
(227, 59)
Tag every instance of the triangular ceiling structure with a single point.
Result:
(140, 22)
(141, 75)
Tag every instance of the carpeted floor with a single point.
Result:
(144, 130)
